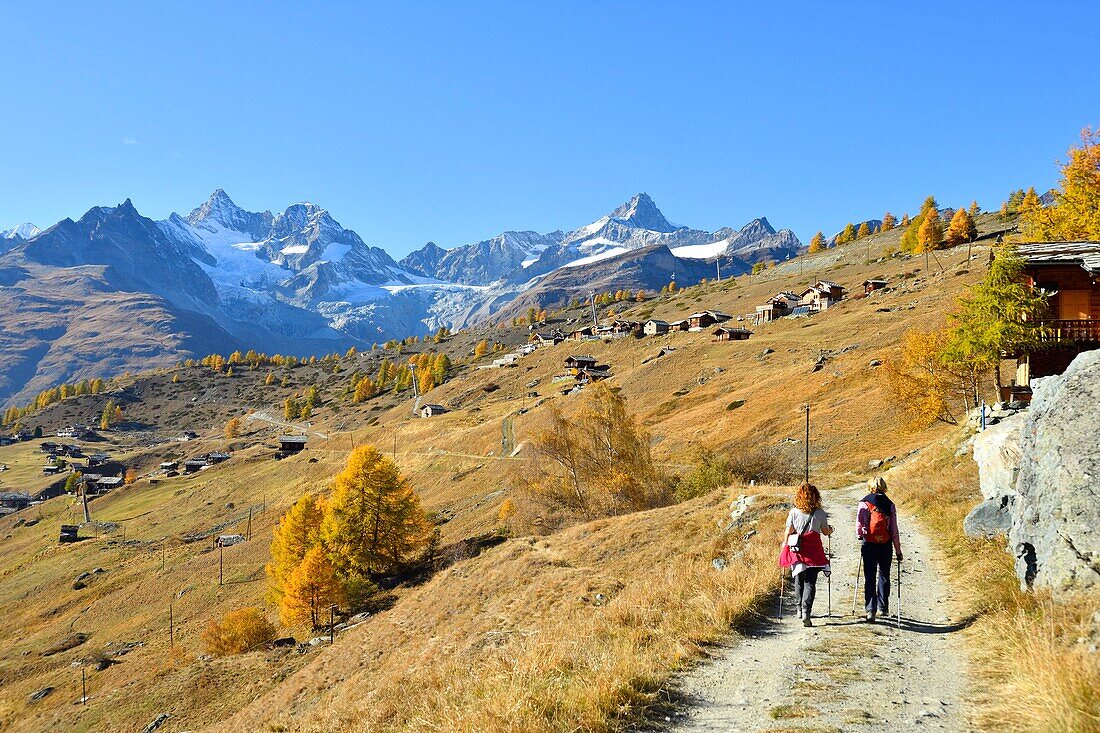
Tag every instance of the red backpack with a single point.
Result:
(878, 527)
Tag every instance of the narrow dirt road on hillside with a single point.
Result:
(842, 674)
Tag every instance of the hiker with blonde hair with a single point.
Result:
(877, 530)
(802, 551)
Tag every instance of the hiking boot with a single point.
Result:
(871, 617)
(807, 622)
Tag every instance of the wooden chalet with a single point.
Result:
(552, 338)
(51, 469)
(593, 374)
(432, 410)
(777, 306)
(98, 459)
(681, 325)
(723, 333)
(1070, 273)
(870, 286)
(291, 444)
(582, 334)
(654, 327)
(625, 327)
(169, 465)
(107, 483)
(703, 319)
(194, 465)
(217, 457)
(576, 363)
(821, 295)
(14, 500)
(69, 533)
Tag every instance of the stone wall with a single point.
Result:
(1040, 476)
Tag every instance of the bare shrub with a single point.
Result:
(760, 463)
(595, 464)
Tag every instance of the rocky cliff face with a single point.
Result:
(1040, 475)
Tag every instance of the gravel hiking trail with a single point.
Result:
(842, 674)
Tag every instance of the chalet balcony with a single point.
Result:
(1071, 331)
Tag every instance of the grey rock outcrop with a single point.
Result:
(1042, 470)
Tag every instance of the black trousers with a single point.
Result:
(805, 588)
(876, 576)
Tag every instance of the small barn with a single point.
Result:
(731, 334)
(169, 466)
(51, 469)
(98, 459)
(593, 374)
(703, 319)
(870, 286)
(107, 483)
(553, 338)
(582, 334)
(291, 444)
(575, 363)
(432, 410)
(194, 465)
(14, 500)
(217, 457)
(654, 327)
(69, 533)
(681, 325)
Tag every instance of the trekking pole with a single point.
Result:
(782, 586)
(855, 590)
(899, 592)
(829, 575)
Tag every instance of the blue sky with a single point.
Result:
(452, 122)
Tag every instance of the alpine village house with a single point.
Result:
(1070, 273)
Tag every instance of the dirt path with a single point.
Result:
(842, 674)
(267, 418)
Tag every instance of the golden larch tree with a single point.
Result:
(312, 587)
(817, 243)
(374, 521)
(889, 221)
(298, 531)
(864, 231)
(961, 229)
(233, 428)
(1075, 212)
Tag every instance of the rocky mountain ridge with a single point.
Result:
(298, 282)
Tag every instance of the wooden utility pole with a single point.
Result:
(171, 626)
(331, 624)
(250, 523)
(221, 555)
(83, 687)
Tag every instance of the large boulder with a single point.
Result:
(1056, 519)
(997, 453)
(1040, 476)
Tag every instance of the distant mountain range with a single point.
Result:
(115, 290)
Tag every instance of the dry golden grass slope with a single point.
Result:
(510, 640)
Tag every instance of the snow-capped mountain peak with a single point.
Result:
(641, 212)
(23, 231)
(220, 213)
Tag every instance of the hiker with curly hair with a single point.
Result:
(877, 530)
(803, 551)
